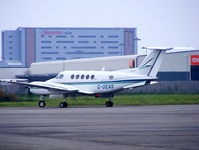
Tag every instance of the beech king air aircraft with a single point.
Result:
(100, 83)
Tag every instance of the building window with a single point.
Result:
(10, 47)
(104, 42)
(112, 47)
(114, 52)
(83, 41)
(47, 58)
(59, 58)
(46, 41)
(87, 36)
(113, 36)
(65, 47)
(42, 36)
(57, 47)
(83, 47)
(49, 52)
(61, 36)
(46, 47)
(82, 52)
(102, 36)
(49, 36)
(10, 53)
(10, 58)
(10, 36)
(10, 42)
(64, 41)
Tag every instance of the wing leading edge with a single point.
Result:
(47, 85)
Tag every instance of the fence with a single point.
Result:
(161, 87)
(169, 87)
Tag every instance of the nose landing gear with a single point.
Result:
(42, 103)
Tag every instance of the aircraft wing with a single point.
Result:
(139, 84)
(48, 85)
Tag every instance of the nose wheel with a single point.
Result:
(42, 103)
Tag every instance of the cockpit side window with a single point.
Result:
(61, 76)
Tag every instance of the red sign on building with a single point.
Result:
(194, 59)
(46, 32)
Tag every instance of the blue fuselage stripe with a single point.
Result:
(104, 82)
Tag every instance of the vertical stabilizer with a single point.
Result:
(151, 64)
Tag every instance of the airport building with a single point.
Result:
(23, 46)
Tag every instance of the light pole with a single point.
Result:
(136, 46)
(187, 66)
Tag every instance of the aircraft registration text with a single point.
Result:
(105, 86)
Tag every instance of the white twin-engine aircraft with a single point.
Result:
(100, 83)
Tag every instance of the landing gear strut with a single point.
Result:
(109, 103)
(64, 104)
(42, 103)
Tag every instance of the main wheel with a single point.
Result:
(63, 104)
(109, 104)
(42, 103)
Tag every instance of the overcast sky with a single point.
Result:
(158, 22)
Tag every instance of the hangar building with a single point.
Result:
(23, 46)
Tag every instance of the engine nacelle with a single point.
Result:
(56, 96)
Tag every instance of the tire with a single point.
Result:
(63, 104)
(42, 103)
(109, 104)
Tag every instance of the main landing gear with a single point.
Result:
(109, 103)
(63, 104)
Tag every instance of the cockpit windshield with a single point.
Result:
(59, 76)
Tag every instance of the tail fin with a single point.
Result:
(152, 62)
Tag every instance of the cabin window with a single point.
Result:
(92, 77)
(77, 76)
(87, 77)
(82, 76)
(72, 76)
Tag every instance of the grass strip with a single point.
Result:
(119, 100)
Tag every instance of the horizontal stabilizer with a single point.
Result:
(158, 48)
